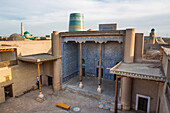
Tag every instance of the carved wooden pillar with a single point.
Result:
(39, 78)
(100, 70)
(40, 97)
(116, 91)
(81, 77)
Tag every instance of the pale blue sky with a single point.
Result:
(41, 17)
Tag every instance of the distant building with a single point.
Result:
(28, 35)
(15, 37)
(107, 27)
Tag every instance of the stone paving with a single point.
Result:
(27, 104)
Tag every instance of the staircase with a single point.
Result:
(108, 103)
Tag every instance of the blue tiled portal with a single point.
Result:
(111, 54)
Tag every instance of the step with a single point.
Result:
(106, 105)
(110, 105)
(109, 99)
(104, 101)
(103, 107)
(106, 108)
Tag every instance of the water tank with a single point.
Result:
(76, 22)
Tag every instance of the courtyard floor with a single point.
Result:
(27, 103)
(91, 84)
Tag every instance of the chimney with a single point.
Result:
(139, 45)
(129, 43)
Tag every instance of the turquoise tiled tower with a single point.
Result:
(76, 22)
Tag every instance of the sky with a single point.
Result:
(41, 17)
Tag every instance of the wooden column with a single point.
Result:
(100, 70)
(39, 77)
(80, 67)
(40, 97)
(116, 90)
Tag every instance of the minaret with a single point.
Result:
(76, 22)
(22, 29)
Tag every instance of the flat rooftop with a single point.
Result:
(149, 71)
(35, 58)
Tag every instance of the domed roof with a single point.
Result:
(90, 30)
(152, 30)
(15, 37)
(26, 32)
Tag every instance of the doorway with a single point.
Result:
(8, 91)
(142, 103)
(98, 72)
(83, 67)
(83, 71)
(50, 81)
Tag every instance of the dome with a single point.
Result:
(90, 30)
(152, 30)
(15, 37)
(26, 32)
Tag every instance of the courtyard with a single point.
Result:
(86, 99)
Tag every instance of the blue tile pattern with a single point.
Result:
(111, 54)
(69, 60)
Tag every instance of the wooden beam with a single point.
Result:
(62, 105)
(5, 50)
(120, 76)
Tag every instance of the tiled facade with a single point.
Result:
(69, 60)
(111, 54)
